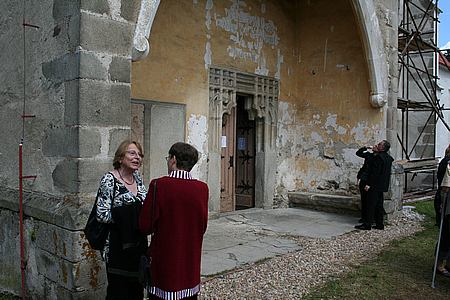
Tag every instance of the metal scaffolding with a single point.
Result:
(418, 57)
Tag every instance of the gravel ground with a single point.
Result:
(291, 276)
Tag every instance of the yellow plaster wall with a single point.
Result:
(323, 66)
(175, 69)
(332, 73)
(324, 110)
(329, 115)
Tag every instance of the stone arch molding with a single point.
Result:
(147, 13)
(374, 49)
(223, 87)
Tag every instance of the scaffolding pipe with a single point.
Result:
(429, 100)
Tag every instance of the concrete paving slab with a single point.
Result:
(243, 237)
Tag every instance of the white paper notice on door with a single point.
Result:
(223, 142)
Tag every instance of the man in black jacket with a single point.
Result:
(362, 176)
(377, 183)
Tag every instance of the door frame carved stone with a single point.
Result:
(262, 106)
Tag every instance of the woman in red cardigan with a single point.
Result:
(178, 224)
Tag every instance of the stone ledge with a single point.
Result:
(59, 211)
(324, 202)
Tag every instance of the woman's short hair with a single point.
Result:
(120, 152)
(186, 155)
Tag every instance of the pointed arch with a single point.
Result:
(374, 51)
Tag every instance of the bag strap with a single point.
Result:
(154, 203)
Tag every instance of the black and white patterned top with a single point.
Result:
(122, 197)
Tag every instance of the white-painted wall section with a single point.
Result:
(442, 134)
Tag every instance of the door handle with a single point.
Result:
(231, 162)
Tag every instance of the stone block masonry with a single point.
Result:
(78, 85)
(60, 264)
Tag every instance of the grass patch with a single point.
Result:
(402, 271)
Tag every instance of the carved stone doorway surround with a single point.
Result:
(262, 106)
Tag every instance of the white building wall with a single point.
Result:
(442, 133)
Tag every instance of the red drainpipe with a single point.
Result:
(22, 244)
(21, 177)
(21, 231)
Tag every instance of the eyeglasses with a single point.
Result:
(167, 157)
(133, 153)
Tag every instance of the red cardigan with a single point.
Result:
(180, 220)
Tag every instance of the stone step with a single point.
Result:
(325, 202)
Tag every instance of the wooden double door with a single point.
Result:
(237, 159)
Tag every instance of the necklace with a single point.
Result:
(132, 182)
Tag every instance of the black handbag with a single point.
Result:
(96, 232)
(145, 262)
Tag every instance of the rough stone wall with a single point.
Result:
(387, 15)
(78, 87)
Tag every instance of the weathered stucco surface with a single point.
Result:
(243, 35)
(197, 136)
(330, 118)
(316, 53)
(318, 154)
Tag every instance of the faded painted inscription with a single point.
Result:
(249, 33)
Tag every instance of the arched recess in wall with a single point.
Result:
(374, 51)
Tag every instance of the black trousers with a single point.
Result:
(123, 288)
(375, 210)
(363, 194)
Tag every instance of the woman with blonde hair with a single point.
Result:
(119, 201)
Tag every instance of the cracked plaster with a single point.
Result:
(198, 137)
(249, 34)
(316, 154)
